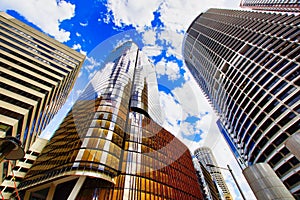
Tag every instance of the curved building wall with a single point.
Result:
(272, 5)
(112, 137)
(205, 156)
(247, 63)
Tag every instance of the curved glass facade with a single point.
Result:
(112, 136)
(247, 63)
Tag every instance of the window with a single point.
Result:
(275, 159)
(287, 119)
(278, 87)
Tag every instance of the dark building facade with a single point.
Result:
(247, 63)
(37, 74)
(272, 5)
(111, 144)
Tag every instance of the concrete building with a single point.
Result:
(18, 172)
(247, 64)
(111, 144)
(272, 5)
(37, 74)
(205, 156)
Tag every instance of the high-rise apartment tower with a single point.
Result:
(205, 156)
(36, 73)
(247, 63)
(272, 5)
(111, 144)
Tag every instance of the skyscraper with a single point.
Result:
(247, 63)
(37, 74)
(205, 156)
(111, 144)
(274, 5)
(207, 185)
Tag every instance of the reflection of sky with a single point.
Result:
(157, 26)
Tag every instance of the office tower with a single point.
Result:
(18, 172)
(207, 185)
(272, 5)
(111, 144)
(205, 156)
(37, 74)
(247, 63)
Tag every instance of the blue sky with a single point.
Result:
(94, 27)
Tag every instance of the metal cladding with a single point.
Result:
(247, 64)
(264, 182)
(272, 5)
(111, 144)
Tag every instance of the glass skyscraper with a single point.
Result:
(205, 156)
(111, 144)
(247, 63)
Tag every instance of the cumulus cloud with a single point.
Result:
(172, 111)
(173, 41)
(46, 14)
(168, 68)
(91, 64)
(126, 12)
(175, 16)
(149, 37)
(178, 14)
(191, 98)
(78, 47)
(152, 50)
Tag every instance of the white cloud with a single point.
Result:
(152, 50)
(46, 14)
(107, 18)
(82, 52)
(83, 24)
(172, 111)
(78, 34)
(126, 12)
(92, 63)
(178, 14)
(192, 99)
(169, 68)
(78, 47)
(205, 123)
(160, 67)
(172, 70)
(173, 40)
(149, 37)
